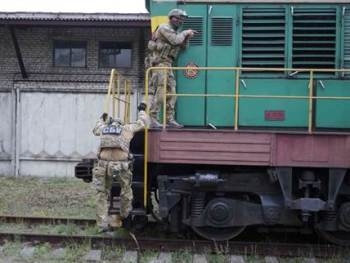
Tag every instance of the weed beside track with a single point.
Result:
(33, 196)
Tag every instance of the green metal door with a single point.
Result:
(273, 108)
(213, 46)
(332, 113)
(221, 53)
(190, 110)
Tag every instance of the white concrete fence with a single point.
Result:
(46, 128)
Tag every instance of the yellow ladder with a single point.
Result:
(118, 97)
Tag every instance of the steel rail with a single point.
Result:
(33, 220)
(195, 246)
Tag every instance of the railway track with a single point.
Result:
(45, 220)
(195, 246)
(143, 243)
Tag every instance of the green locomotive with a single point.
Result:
(270, 82)
(291, 51)
(264, 94)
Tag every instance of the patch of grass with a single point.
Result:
(255, 259)
(147, 256)
(182, 256)
(43, 251)
(67, 229)
(216, 258)
(75, 252)
(91, 230)
(66, 197)
(306, 260)
(113, 253)
(11, 248)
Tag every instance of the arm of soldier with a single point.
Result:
(173, 37)
(100, 124)
(142, 122)
(98, 127)
(184, 45)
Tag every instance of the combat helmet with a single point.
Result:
(177, 12)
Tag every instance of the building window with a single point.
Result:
(69, 53)
(115, 55)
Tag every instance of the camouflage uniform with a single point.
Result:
(114, 163)
(163, 50)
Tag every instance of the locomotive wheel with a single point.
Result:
(341, 238)
(218, 234)
(219, 213)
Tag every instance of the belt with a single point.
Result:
(113, 154)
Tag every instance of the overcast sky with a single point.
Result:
(82, 6)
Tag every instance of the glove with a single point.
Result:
(104, 116)
(142, 106)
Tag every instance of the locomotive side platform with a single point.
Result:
(228, 147)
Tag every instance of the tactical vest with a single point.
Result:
(162, 50)
(112, 137)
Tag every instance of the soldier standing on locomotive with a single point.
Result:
(115, 162)
(163, 49)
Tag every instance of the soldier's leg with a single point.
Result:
(157, 99)
(152, 82)
(126, 194)
(114, 170)
(99, 181)
(171, 101)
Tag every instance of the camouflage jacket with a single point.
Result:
(115, 135)
(166, 44)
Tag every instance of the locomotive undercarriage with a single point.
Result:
(220, 205)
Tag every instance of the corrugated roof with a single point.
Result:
(46, 18)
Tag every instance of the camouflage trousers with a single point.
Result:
(158, 79)
(103, 175)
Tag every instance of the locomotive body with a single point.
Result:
(267, 82)
(263, 91)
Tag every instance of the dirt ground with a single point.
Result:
(33, 196)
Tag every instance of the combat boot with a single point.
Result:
(155, 124)
(174, 124)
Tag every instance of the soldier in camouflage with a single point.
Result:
(163, 49)
(115, 163)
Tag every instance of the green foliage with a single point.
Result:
(182, 256)
(42, 251)
(147, 256)
(113, 253)
(11, 248)
(216, 258)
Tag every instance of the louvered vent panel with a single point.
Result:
(347, 39)
(221, 31)
(195, 23)
(263, 37)
(314, 37)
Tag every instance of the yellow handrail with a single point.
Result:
(114, 96)
(310, 100)
(145, 157)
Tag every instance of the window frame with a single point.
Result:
(69, 44)
(114, 45)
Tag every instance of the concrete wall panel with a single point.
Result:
(6, 130)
